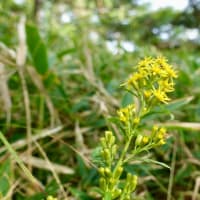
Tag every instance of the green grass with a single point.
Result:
(72, 86)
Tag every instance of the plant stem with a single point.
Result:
(21, 164)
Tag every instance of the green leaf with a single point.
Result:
(79, 195)
(4, 185)
(127, 99)
(168, 108)
(5, 171)
(37, 49)
(156, 162)
(179, 103)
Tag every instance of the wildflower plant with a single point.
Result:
(150, 83)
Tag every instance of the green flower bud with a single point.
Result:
(102, 183)
(112, 182)
(118, 172)
(114, 149)
(133, 182)
(106, 154)
(102, 171)
(112, 140)
(116, 193)
(138, 140)
(128, 178)
(127, 197)
(108, 136)
(103, 142)
(107, 172)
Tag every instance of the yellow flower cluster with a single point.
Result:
(126, 113)
(153, 79)
(158, 135)
(157, 138)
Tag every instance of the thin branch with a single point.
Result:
(20, 60)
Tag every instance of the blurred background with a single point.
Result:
(61, 66)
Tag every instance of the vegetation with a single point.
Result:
(62, 71)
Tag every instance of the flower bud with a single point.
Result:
(102, 183)
(107, 171)
(116, 193)
(161, 142)
(102, 171)
(108, 135)
(138, 140)
(136, 120)
(103, 142)
(134, 182)
(145, 140)
(118, 172)
(114, 149)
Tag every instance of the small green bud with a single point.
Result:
(138, 140)
(116, 193)
(107, 171)
(129, 177)
(127, 197)
(114, 149)
(103, 142)
(108, 136)
(102, 171)
(106, 154)
(112, 140)
(112, 182)
(102, 183)
(118, 172)
(133, 182)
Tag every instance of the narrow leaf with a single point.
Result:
(37, 49)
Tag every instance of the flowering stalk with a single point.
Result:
(151, 82)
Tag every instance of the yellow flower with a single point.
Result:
(51, 198)
(161, 142)
(155, 128)
(145, 139)
(121, 115)
(160, 95)
(145, 63)
(162, 131)
(166, 85)
(147, 93)
(134, 79)
(136, 120)
(156, 70)
(171, 73)
(125, 113)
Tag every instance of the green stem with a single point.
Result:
(19, 161)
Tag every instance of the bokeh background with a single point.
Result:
(61, 66)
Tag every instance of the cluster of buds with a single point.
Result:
(111, 172)
(109, 148)
(109, 177)
(130, 185)
(127, 113)
(158, 135)
(156, 138)
(129, 118)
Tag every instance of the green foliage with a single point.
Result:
(37, 49)
(78, 53)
